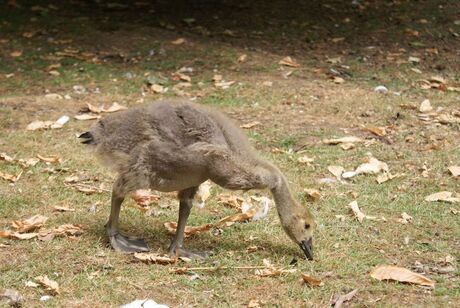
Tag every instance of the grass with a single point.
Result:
(295, 113)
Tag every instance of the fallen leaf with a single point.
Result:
(389, 272)
(240, 217)
(16, 53)
(93, 108)
(10, 177)
(337, 79)
(242, 58)
(336, 171)
(356, 211)
(425, 106)
(372, 166)
(347, 139)
(378, 131)
(413, 59)
(62, 209)
(114, 108)
(288, 61)
(231, 200)
(154, 258)
(178, 41)
(50, 159)
(339, 299)
(305, 159)
(217, 77)
(311, 281)
(347, 146)
(335, 60)
(17, 235)
(50, 285)
(224, 84)
(189, 231)
(314, 194)
(455, 170)
(254, 303)
(35, 125)
(442, 196)
(454, 211)
(203, 193)
(250, 125)
(87, 116)
(144, 197)
(62, 230)
(31, 284)
(405, 218)
(386, 176)
(29, 224)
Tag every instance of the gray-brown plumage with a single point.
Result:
(176, 146)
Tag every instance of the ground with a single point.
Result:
(109, 52)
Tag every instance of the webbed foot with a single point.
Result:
(127, 244)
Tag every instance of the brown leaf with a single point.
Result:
(337, 79)
(305, 159)
(347, 139)
(17, 235)
(87, 116)
(445, 196)
(144, 197)
(336, 171)
(50, 159)
(377, 130)
(389, 272)
(405, 218)
(338, 300)
(93, 108)
(250, 125)
(189, 231)
(114, 108)
(154, 258)
(242, 58)
(62, 230)
(240, 217)
(455, 170)
(10, 177)
(288, 61)
(314, 194)
(425, 106)
(62, 209)
(311, 281)
(29, 224)
(178, 41)
(50, 285)
(230, 200)
(16, 53)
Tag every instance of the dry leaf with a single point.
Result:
(311, 281)
(50, 159)
(62, 230)
(339, 299)
(388, 272)
(413, 59)
(114, 108)
(454, 211)
(288, 61)
(93, 108)
(356, 211)
(63, 209)
(305, 159)
(337, 79)
(372, 166)
(189, 231)
(35, 125)
(50, 285)
(144, 197)
(242, 58)
(314, 194)
(17, 235)
(405, 218)
(230, 200)
(10, 177)
(29, 224)
(87, 116)
(347, 139)
(455, 170)
(386, 176)
(240, 217)
(217, 78)
(224, 84)
(16, 53)
(203, 193)
(425, 106)
(442, 196)
(376, 130)
(178, 41)
(347, 146)
(336, 171)
(154, 258)
(250, 125)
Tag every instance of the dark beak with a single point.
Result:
(307, 248)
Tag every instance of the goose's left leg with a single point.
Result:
(185, 206)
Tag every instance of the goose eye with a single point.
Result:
(307, 226)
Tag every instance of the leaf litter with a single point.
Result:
(395, 273)
(49, 285)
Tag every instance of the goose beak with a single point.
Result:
(307, 248)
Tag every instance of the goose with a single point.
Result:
(176, 146)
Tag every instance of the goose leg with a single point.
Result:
(185, 205)
(118, 241)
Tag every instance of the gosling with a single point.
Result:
(176, 146)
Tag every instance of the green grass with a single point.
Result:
(297, 112)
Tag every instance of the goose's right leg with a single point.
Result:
(118, 241)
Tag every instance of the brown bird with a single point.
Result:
(176, 146)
